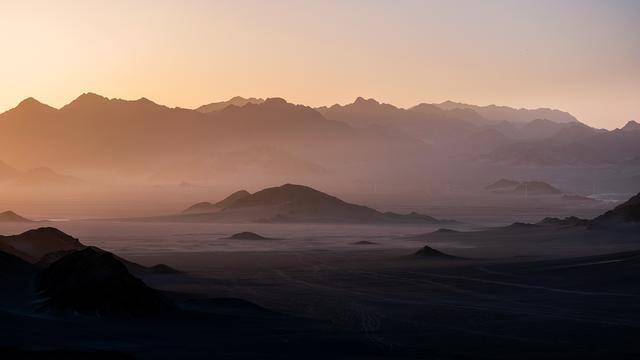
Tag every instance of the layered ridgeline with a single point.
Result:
(227, 143)
(621, 224)
(292, 203)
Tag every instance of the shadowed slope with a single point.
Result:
(91, 282)
(628, 212)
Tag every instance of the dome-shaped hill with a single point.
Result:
(94, 282)
(292, 203)
(247, 235)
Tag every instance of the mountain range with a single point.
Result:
(363, 145)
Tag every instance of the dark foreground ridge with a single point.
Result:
(94, 282)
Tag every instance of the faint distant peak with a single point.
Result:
(237, 101)
(631, 126)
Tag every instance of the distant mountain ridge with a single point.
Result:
(238, 101)
(361, 146)
(504, 113)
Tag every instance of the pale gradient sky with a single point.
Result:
(581, 56)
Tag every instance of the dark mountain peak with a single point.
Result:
(628, 212)
(631, 126)
(94, 282)
(10, 216)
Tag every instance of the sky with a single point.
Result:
(581, 56)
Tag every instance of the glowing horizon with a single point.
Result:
(577, 56)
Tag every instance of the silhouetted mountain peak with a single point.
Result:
(631, 126)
